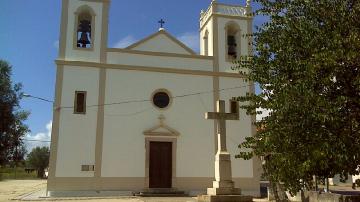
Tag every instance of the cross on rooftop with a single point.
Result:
(161, 22)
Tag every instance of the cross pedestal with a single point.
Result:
(223, 184)
(223, 187)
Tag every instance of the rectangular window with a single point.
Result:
(80, 102)
(87, 168)
(234, 107)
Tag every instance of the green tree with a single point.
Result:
(307, 60)
(38, 159)
(12, 128)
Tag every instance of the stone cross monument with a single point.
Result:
(223, 189)
(223, 184)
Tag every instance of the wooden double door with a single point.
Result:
(160, 168)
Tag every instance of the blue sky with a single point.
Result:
(30, 31)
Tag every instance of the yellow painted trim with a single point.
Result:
(100, 124)
(192, 52)
(170, 132)
(63, 28)
(232, 5)
(166, 34)
(150, 69)
(216, 82)
(206, 22)
(104, 32)
(233, 16)
(143, 40)
(56, 122)
(138, 183)
(101, 98)
(159, 53)
(225, 16)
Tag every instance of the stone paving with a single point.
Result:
(34, 190)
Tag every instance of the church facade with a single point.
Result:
(132, 119)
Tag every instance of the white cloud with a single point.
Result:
(39, 139)
(125, 42)
(56, 44)
(191, 39)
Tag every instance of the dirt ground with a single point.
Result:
(15, 189)
(10, 189)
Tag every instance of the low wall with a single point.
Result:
(332, 197)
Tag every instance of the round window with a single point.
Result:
(161, 99)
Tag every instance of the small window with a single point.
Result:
(161, 99)
(206, 43)
(87, 167)
(80, 102)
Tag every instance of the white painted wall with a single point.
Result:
(83, 55)
(160, 61)
(209, 27)
(124, 142)
(161, 43)
(77, 132)
(237, 130)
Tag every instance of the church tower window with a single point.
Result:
(84, 31)
(232, 41)
(84, 26)
(206, 43)
(80, 102)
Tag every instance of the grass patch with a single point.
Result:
(19, 173)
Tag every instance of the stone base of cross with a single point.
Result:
(223, 184)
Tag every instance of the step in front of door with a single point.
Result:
(161, 192)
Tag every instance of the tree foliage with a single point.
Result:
(12, 128)
(38, 159)
(307, 60)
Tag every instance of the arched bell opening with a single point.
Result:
(232, 41)
(85, 18)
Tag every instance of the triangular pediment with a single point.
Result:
(161, 42)
(161, 130)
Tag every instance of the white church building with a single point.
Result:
(132, 119)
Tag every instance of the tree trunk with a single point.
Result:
(278, 191)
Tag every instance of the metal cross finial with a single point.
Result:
(161, 22)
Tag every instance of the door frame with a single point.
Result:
(170, 139)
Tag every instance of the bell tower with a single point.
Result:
(84, 30)
(222, 33)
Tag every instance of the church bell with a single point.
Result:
(84, 30)
(232, 46)
(84, 40)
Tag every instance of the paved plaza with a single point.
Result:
(34, 190)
